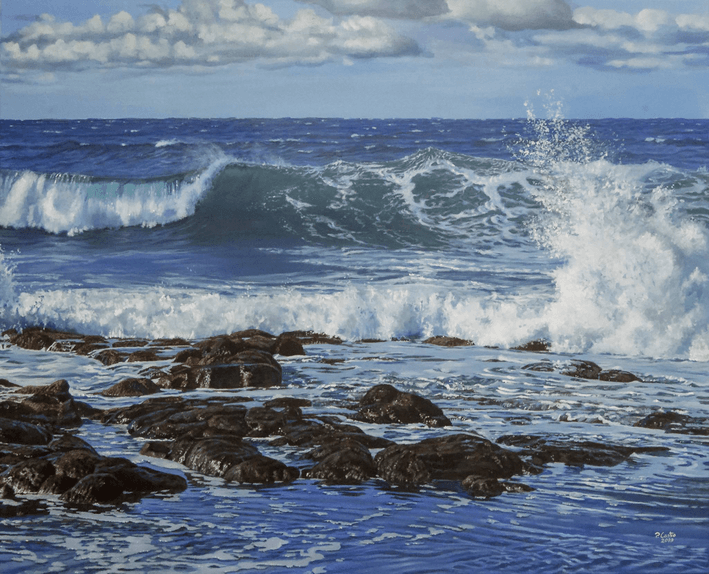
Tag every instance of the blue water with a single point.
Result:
(591, 234)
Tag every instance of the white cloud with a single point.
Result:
(514, 15)
(200, 32)
(404, 9)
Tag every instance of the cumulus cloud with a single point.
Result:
(403, 9)
(649, 40)
(200, 32)
(514, 15)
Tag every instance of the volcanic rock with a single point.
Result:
(131, 388)
(442, 341)
(385, 404)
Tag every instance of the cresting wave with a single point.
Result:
(60, 203)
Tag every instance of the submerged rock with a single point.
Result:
(674, 422)
(541, 451)
(385, 404)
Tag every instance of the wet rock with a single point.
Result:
(18, 432)
(342, 462)
(4, 383)
(212, 456)
(316, 431)
(218, 366)
(130, 343)
(58, 389)
(489, 487)
(312, 338)
(287, 346)
(384, 404)
(443, 341)
(617, 376)
(536, 346)
(132, 388)
(39, 338)
(67, 442)
(541, 367)
(24, 508)
(28, 476)
(543, 451)
(101, 488)
(109, 357)
(261, 469)
(6, 492)
(174, 342)
(76, 464)
(452, 457)
(287, 402)
(582, 370)
(674, 422)
(144, 355)
(173, 417)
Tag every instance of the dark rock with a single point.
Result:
(325, 430)
(260, 469)
(442, 341)
(191, 354)
(18, 432)
(265, 421)
(542, 451)
(674, 422)
(24, 508)
(536, 346)
(489, 487)
(174, 342)
(452, 457)
(101, 488)
(342, 462)
(58, 389)
(130, 343)
(582, 370)
(143, 355)
(385, 404)
(4, 383)
(38, 338)
(6, 492)
(312, 338)
(542, 367)
(27, 477)
(287, 402)
(67, 442)
(618, 376)
(110, 357)
(211, 456)
(287, 346)
(132, 388)
(76, 463)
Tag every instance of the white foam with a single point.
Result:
(73, 204)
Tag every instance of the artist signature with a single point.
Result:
(664, 538)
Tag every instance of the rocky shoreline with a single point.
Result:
(39, 454)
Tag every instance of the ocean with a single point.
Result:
(591, 235)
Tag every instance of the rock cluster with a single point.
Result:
(38, 455)
(583, 370)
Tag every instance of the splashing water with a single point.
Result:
(635, 275)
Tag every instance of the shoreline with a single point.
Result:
(211, 435)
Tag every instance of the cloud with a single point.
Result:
(199, 33)
(402, 9)
(514, 15)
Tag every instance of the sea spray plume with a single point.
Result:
(8, 298)
(634, 274)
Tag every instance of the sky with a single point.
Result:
(352, 58)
